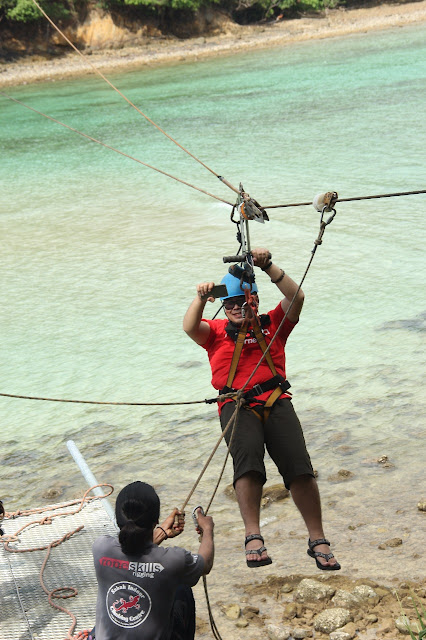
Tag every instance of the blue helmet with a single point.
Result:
(234, 287)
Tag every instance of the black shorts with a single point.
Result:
(282, 436)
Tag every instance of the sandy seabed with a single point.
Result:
(333, 23)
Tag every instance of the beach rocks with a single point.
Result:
(393, 542)
(340, 476)
(232, 611)
(277, 633)
(299, 634)
(346, 600)
(402, 624)
(52, 493)
(421, 506)
(331, 619)
(364, 592)
(332, 607)
(341, 634)
(310, 590)
(384, 462)
(275, 492)
(292, 610)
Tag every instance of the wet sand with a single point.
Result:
(155, 51)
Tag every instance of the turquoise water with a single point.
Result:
(100, 258)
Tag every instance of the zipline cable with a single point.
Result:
(86, 59)
(122, 153)
(354, 199)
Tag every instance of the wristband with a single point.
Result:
(165, 533)
(266, 267)
(280, 278)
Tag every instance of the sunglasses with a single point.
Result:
(230, 303)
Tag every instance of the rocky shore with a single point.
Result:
(228, 37)
(273, 604)
(324, 607)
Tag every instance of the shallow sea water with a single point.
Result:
(100, 258)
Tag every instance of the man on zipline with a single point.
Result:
(260, 423)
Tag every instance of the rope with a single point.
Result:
(59, 592)
(215, 448)
(131, 404)
(122, 153)
(383, 195)
(86, 59)
(232, 421)
(317, 242)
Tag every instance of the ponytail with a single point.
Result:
(133, 538)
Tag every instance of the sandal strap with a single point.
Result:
(258, 551)
(253, 536)
(326, 556)
(315, 543)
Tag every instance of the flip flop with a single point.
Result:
(256, 563)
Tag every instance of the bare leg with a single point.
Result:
(248, 489)
(304, 491)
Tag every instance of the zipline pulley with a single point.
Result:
(248, 209)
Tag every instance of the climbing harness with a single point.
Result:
(277, 383)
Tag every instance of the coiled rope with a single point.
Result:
(59, 593)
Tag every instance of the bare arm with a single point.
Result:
(172, 526)
(285, 284)
(193, 325)
(206, 549)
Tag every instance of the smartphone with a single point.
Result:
(218, 291)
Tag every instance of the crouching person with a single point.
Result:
(144, 590)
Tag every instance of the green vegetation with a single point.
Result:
(244, 11)
(26, 11)
(421, 617)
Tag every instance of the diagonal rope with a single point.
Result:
(318, 241)
(89, 62)
(122, 153)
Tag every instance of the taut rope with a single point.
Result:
(122, 153)
(96, 70)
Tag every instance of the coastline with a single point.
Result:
(334, 23)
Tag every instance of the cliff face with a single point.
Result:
(99, 29)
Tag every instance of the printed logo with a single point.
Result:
(139, 569)
(145, 569)
(128, 605)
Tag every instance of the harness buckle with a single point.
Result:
(257, 389)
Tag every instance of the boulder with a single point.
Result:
(277, 633)
(364, 592)
(309, 590)
(331, 619)
(346, 600)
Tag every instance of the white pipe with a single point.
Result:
(89, 477)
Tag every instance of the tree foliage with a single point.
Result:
(25, 11)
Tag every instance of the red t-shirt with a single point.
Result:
(220, 348)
